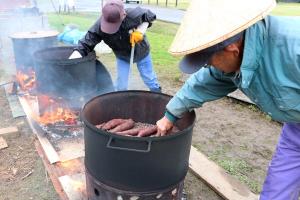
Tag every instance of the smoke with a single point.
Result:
(16, 18)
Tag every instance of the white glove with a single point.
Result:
(75, 54)
(143, 27)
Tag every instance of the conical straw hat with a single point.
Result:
(208, 22)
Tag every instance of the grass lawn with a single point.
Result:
(287, 9)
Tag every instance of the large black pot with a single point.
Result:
(25, 44)
(58, 76)
(131, 163)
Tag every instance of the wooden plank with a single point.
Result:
(217, 178)
(52, 172)
(14, 104)
(74, 186)
(70, 150)
(47, 146)
(3, 143)
(61, 169)
(8, 130)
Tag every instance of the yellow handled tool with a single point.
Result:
(135, 37)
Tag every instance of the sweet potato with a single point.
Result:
(131, 132)
(100, 125)
(112, 124)
(147, 131)
(126, 125)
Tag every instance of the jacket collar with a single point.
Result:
(253, 47)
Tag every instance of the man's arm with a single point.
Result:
(207, 84)
(90, 40)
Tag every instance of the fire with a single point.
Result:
(59, 114)
(55, 112)
(26, 80)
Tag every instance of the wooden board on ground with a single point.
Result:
(48, 148)
(217, 178)
(14, 104)
(8, 130)
(71, 150)
(3, 143)
(74, 186)
(60, 169)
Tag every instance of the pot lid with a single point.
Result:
(34, 34)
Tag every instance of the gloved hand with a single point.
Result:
(75, 54)
(136, 37)
(163, 126)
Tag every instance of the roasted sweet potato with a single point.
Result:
(126, 125)
(112, 124)
(147, 131)
(100, 125)
(131, 132)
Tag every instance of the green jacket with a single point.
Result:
(269, 73)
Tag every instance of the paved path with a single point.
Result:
(165, 14)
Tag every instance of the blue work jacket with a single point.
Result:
(269, 74)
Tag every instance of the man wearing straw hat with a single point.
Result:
(233, 44)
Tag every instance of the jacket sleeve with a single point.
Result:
(90, 40)
(207, 84)
(148, 16)
(141, 15)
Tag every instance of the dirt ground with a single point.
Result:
(22, 174)
(235, 135)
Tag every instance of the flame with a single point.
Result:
(26, 80)
(55, 111)
(58, 115)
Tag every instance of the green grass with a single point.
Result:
(287, 9)
(239, 169)
(160, 36)
(82, 20)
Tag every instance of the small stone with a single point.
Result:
(14, 171)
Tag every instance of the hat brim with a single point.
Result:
(216, 21)
(191, 63)
(110, 28)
